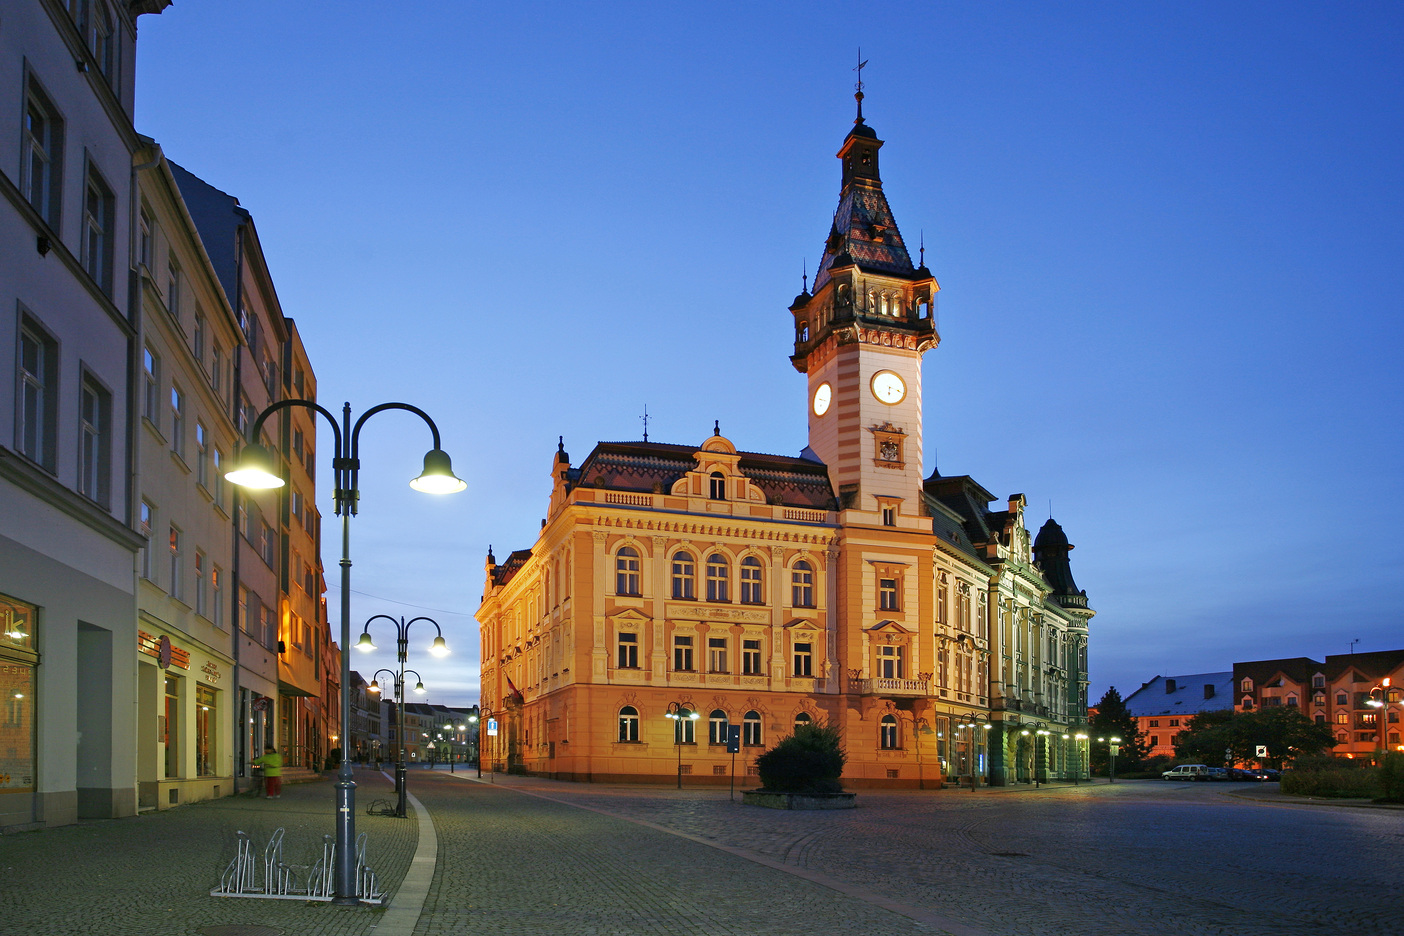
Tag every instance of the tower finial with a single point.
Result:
(923, 247)
(644, 417)
(805, 267)
(858, 88)
(560, 443)
(716, 427)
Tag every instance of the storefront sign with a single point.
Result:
(153, 647)
(211, 672)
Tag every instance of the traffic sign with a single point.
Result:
(733, 739)
(1262, 750)
(492, 726)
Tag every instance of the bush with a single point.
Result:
(1332, 777)
(809, 761)
(1391, 773)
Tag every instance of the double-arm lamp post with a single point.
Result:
(1381, 697)
(438, 648)
(680, 712)
(258, 469)
(397, 686)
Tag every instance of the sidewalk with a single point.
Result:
(151, 875)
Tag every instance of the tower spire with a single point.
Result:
(858, 87)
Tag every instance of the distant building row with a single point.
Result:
(157, 626)
(1360, 695)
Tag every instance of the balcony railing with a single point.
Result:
(891, 687)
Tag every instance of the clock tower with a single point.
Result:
(860, 336)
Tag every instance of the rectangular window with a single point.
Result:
(295, 502)
(270, 627)
(177, 421)
(628, 651)
(887, 594)
(145, 521)
(268, 544)
(889, 516)
(202, 455)
(218, 464)
(1174, 723)
(197, 337)
(173, 287)
(41, 166)
(144, 239)
(682, 654)
(296, 632)
(802, 585)
(297, 444)
(217, 370)
(176, 570)
(804, 654)
(1155, 723)
(98, 229)
(217, 596)
(309, 580)
(890, 662)
(151, 377)
(716, 655)
(201, 586)
(751, 657)
(38, 393)
(243, 622)
(94, 459)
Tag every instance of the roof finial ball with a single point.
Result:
(716, 427)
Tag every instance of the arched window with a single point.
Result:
(717, 575)
(718, 486)
(802, 585)
(628, 723)
(626, 571)
(684, 576)
(803, 718)
(888, 733)
(751, 728)
(102, 40)
(751, 591)
(803, 332)
(717, 727)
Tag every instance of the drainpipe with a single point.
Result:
(236, 395)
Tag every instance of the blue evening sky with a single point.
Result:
(1168, 238)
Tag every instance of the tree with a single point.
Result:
(1114, 721)
(809, 761)
(1288, 734)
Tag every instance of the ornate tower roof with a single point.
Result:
(1051, 548)
(864, 231)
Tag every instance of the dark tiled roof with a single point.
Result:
(654, 466)
(503, 573)
(863, 216)
(1378, 664)
(1297, 669)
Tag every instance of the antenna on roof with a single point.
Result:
(1050, 508)
(644, 417)
(1352, 645)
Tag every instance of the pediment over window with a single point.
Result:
(717, 461)
(629, 620)
(800, 624)
(891, 627)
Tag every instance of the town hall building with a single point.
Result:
(916, 614)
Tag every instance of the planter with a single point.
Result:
(775, 800)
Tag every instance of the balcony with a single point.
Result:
(889, 687)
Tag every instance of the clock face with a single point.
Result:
(823, 396)
(888, 387)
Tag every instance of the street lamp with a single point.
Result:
(437, 648)
(1381, 696)
(680, 713)
(1082, 752)
(1113, 745)
(257, 469)
(399, 690)
(483, 720)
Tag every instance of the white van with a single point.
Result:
(1187, 772)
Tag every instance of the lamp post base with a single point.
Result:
(345, 838)
(400, 790)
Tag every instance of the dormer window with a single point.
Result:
(718, 486)
(1247, 684)
(1318, 681)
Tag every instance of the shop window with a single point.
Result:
(206, 718)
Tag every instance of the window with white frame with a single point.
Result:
(144, 238)
(99, 228)
(201, 586)
(888, 593)
(684, 576)
(151, 386)
(716, 655)
(888, 733)
(802, 585)
(626, 571)
(173, 286)
(752, 591)
(682, 653)
(717, 727)
(717, 486)
(751, 729)
(94, 444)
(217, 459)
(102, 41)
(146, 519)
(802, 719)
(685, 730)
(804, 658)
(177, 569)
(628, 723)
(718, 574)
(751, 657)
(890, 662)
(42, 159)
(628, 650)
(38, 394)
(177, 420)
(202, 454)
(197, 337)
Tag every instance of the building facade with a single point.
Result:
(67, 315)
(1360, 695)
(768, 591)
(1163, 706)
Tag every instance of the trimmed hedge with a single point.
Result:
(1347, 778)
(809, 761)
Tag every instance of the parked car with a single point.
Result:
(1218, 773)
(1270, 775)
(1187, 772)
(1238, 773)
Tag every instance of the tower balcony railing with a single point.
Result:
(890, 687)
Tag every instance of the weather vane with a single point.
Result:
(644, 417)
(858, 88)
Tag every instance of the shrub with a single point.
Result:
(1331, 776)
(809, 761)
(1391, 773)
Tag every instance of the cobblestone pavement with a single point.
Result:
(1138, 857)
(151, 875)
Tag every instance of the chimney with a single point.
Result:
(1169, 686)
(1208, 690)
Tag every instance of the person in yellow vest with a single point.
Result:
(272, 764)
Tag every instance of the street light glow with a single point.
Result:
(365, 644)
(438, 476)
(255, 469)
(439, 648)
